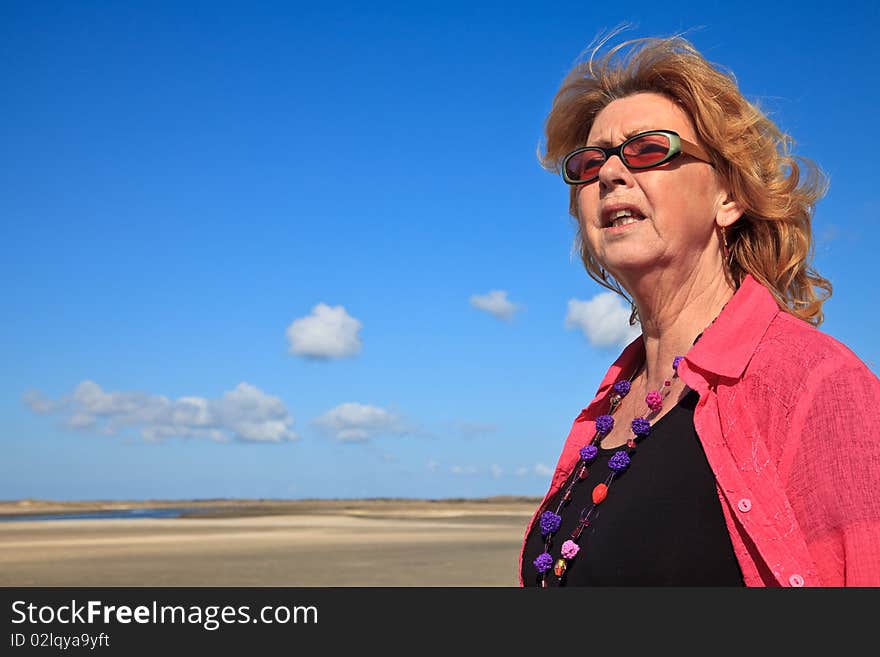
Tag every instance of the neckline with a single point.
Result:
(654, 425)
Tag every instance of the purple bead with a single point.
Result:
(543, 562)
(588, 452)
(622, 387)
(676, 361)
(641, 427)
(549, 522)
(619, 462)
(604, 423)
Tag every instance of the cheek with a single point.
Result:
(587, 204)
(674, 209)
(687, 212)
(696, 205)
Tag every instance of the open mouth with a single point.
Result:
(621, 217)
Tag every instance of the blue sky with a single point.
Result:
(271, 250)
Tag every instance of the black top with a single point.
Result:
(661, 524)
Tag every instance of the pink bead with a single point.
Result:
(570, 549)
(654, 400)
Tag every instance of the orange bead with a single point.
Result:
(600, 492)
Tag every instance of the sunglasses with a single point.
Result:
(642, 151)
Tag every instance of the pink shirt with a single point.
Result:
(789, 419)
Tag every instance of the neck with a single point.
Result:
(672, 315)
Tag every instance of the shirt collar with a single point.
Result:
(724, 348)
(727, 345)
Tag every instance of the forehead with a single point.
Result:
(637, 113)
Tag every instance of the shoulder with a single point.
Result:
(800, 372)
(795, 364)
(792, 344)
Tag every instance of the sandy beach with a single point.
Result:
(268, 543)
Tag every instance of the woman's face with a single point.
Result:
(677, 202)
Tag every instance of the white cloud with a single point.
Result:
(467, 470)
(38, 402)
(326, 333)
(245, 413)
(353, 422)
(433, 465)
(538, 470)
(475, 429)
(496, 471)
(604, 320)
(495, 302)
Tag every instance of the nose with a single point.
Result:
(613, 173)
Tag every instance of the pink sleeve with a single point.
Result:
(833, 467)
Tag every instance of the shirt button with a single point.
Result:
(744, 505)
(796, 580)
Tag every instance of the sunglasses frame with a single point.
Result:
(677, 146)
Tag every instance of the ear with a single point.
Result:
(728, 212)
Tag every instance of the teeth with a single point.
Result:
(622, 217)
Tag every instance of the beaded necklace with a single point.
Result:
(618, 463)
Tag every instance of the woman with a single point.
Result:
(732, 443)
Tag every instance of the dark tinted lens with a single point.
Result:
(585, 165)
(647, 150)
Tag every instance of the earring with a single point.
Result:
(725, 246)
